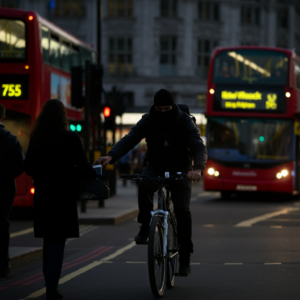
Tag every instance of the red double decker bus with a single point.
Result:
(35, 64)
(253, 121)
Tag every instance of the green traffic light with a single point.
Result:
(261, 138)
(78, 127)
(72, 127)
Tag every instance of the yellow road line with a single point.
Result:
(270, 264)
(22, 232)
(250, 222)
(84, 269)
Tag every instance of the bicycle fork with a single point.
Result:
(164, 215)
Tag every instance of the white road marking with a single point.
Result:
(276, 226)
(83, 230)
(233, 264)
(204, 194)
(135, 262)
(82, 270)
(22, 232)
(274, 263)
(250, 222)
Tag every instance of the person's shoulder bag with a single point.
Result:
(95, 189)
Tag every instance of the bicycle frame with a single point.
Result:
(163, 214)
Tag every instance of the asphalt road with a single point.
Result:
(237, 256)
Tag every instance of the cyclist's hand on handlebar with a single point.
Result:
(194, 175)
(104, 160)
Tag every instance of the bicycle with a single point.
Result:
(163, 248)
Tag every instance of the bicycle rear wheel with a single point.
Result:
(156, 260)
(172, 250)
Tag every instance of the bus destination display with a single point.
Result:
(14, 86)
(249, 100)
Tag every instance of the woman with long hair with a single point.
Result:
(55, 160)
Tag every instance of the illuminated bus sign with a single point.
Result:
(249, 100)
(14, 86)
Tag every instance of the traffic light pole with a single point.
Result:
(87, 117)
(99, 48)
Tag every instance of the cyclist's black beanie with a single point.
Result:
(163, 98)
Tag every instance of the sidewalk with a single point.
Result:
(119, 208)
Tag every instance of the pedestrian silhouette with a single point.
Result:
(52, 154)
(11, 166)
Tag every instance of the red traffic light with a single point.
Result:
(106, 111)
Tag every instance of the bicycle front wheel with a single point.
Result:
(172, 264)
(156, 260)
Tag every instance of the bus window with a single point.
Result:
(54, 50)
(251, 67)
(297, 71)
(65, 56)
(12, 40)
(75, 57)
(45, 43)
(19, 125)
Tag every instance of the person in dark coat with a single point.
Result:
(173, 141)
(55, 158)
(11, 166)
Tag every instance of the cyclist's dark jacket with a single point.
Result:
(183, 139)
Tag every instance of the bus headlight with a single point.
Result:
(283, 173)
(213, 172)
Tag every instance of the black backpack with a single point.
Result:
(185, 108)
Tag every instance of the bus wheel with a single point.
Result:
(226, 195)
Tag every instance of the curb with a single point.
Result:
(110, 221)
(26, 257)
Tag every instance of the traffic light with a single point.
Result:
(109, 122)
(76, 127)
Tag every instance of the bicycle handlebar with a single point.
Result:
(161, 179)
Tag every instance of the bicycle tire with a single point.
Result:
(156, 261)
(172, 263)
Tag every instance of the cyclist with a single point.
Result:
(173, 141)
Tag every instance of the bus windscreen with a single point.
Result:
(12, 40)
(251, 66)
(250, 140)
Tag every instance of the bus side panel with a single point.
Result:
(23, 196)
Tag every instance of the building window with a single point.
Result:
(66, 8)
(120, 8)
(250, 15)
(283, 18)
(208, 11)
(168, 53)
(120, 56)
(128, 99)
(204, 49)
(9, 3)
(168, 8)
